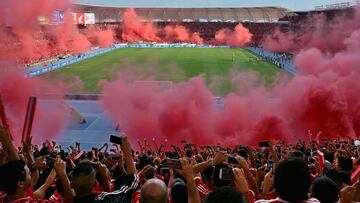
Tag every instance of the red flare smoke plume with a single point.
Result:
(239, 37)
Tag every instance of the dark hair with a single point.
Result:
(82, 168)
(243, 153)
(207, 174)
(292, 180)
(10, 174)
(325, 190)
(296, 154)
(188, 153)
(329, 156)
(216, 173)
(335, 176)
(179, 191)
(89, 155)
(225, 195)
(345, 163)
(144, 161)
(44, 151)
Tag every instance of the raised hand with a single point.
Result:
(240, 181)
(220, 157)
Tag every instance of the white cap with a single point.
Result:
(357, 143)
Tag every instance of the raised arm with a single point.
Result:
(126, 148)
(187, 172)
(8, 145)
(40, 193)
(219, 158)
(60, 167)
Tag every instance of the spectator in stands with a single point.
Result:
(325, 190)
(292, 181)
(225, 195)
(154, 191)
(277, 173)
(178, 191)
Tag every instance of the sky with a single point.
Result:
(296, 5)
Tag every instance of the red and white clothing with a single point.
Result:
(279, 200)
(202, 188)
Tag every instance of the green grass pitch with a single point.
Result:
(218, 65)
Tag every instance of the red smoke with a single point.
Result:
(239, 37)
(102, 38)
(15, 91)
(176, 33)
(24, 40)
(324, 96)
(134, 29)
(316, 31)
(195, 38)
(105, 38)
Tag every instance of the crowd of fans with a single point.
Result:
(323, 171)
(207, 30)
(280, 59)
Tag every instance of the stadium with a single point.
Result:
(179, 101)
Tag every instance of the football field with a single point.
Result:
(217, 65)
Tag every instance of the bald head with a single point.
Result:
(154, 191)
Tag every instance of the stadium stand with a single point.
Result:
(261, 14)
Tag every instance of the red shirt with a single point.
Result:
(279, 200)
(202, 188)
(56, 196)
(31, 200)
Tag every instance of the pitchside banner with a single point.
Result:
(57, 18)
(89, 18)
(80, 18)
(83, 18)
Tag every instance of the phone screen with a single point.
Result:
(115, 139)
(164, 170)
(232, 160)
(171, 163)
(226, 174)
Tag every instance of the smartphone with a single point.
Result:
(164, 170)
(264, 144)
(270, 165)
(50, 161)
(226, 174)
(115, 139)
(232, 160)
(258, 163)
(171, 163)
(115, 157)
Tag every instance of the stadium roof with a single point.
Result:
(262, 14)
(290, 4)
